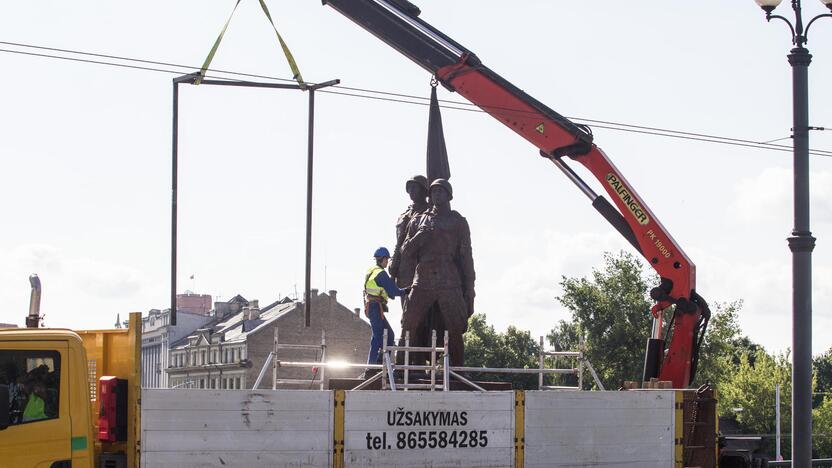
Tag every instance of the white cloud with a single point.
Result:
(523, 292)
(80, 282)
(103, 279)
(768, 196)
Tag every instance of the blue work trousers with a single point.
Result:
(378, 325)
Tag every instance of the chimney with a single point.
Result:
(254, 304)
(313, 292)
(333, 294)
(357, 312)
(251, 312)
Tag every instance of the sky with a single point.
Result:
(85, 154)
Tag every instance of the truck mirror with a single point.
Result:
(4, 407)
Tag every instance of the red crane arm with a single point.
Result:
(645, 232)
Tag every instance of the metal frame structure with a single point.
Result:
(194, 79)
(389, 369)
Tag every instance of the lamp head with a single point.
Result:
(769, 5)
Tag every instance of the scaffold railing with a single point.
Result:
(439, 365)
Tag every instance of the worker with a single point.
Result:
(378, 288)
(36, 404)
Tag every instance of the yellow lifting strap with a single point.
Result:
(286, 52)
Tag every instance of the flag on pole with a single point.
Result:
(438, 167)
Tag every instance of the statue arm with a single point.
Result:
(466, 263)
(417, 234)
(401, 235)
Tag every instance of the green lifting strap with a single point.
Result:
(289, 58)
(286, 52)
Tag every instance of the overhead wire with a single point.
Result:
(402, 98)
(622, 128)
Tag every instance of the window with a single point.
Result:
(34, 380)
(237, 383)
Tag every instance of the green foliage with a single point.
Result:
(724, 345)
(822, 428)
(823, 374)
(748, 393)
(485, 347)
(611, 310)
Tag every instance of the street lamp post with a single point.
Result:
(801, 242)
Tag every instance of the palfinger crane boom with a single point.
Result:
(396, 22)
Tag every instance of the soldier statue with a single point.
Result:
(440, 241)
(402, 268)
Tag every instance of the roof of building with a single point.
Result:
(235, 327)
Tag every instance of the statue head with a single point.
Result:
(417, 188)
(441, 192)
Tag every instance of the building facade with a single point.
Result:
(231, 352)
(157, 336)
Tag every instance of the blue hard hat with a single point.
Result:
(382, 252)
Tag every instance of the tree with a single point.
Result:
(485, 347)
(748, 393)
(823, 375)
(611, 311)
(822, 428)
(723, 346)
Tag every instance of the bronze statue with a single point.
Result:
(402, 269)
(440, 241)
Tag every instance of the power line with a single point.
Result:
(622, 128)
(406, 98)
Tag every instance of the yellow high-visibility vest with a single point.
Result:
(371, 287)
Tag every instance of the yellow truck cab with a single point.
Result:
(48, 402)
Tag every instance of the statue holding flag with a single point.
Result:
(437, 252)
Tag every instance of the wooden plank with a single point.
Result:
(213, 400)
(481, 458)
(229, 459)
(264, 441)
(429, 429)
(601, 400)
(654, 436)
(238, 420)
(630, 428)
(378, 420)
(369, 400)
(358, 438)
(613, 417)
(245, 428)
(619, 464)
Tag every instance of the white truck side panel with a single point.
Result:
(587, 429)
(397, 429)
(186, 428)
